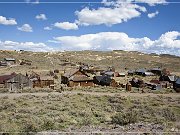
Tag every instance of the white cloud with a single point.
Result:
(47, 28)
(33, 2)
(149, 2)
(25, 28)
(66, 25)
(5, 21)
(114, 12)
(29, 46)
(152, 2)
(151, 15)
(167, 43)
(41, 17)
(109, 15)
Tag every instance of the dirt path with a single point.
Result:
(125, 94)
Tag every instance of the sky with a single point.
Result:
(150, 26)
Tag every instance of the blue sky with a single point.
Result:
(147, 27)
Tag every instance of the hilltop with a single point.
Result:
(121, 60)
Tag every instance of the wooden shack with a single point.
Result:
(15, 81)
(76, 77)
(80, 80)
(43, 82)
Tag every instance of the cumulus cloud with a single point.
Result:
(29, 46)
(151, 15)
(114, 12)
(25, 28)
(41, 17)
(167, 43)
(5, 21)
(66, 25)
(47, 28)
(109, 15)
(149, 2)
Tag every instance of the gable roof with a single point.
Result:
(71, 72)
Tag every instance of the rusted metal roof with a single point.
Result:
(5, 78)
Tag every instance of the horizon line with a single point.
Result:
(80, 2)
(21, 50)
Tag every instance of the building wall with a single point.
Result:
(113, 83)
(83, 83)
(18, 82)
(72, 84)
(43, 83)
(88, 83)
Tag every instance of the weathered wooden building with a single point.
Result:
(80, 80)
(76, 77)
(15, 81)
(43, 82)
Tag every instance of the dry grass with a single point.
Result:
(55, 112)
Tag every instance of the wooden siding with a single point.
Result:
(18, 82)
(83, 83)
(43, 83)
